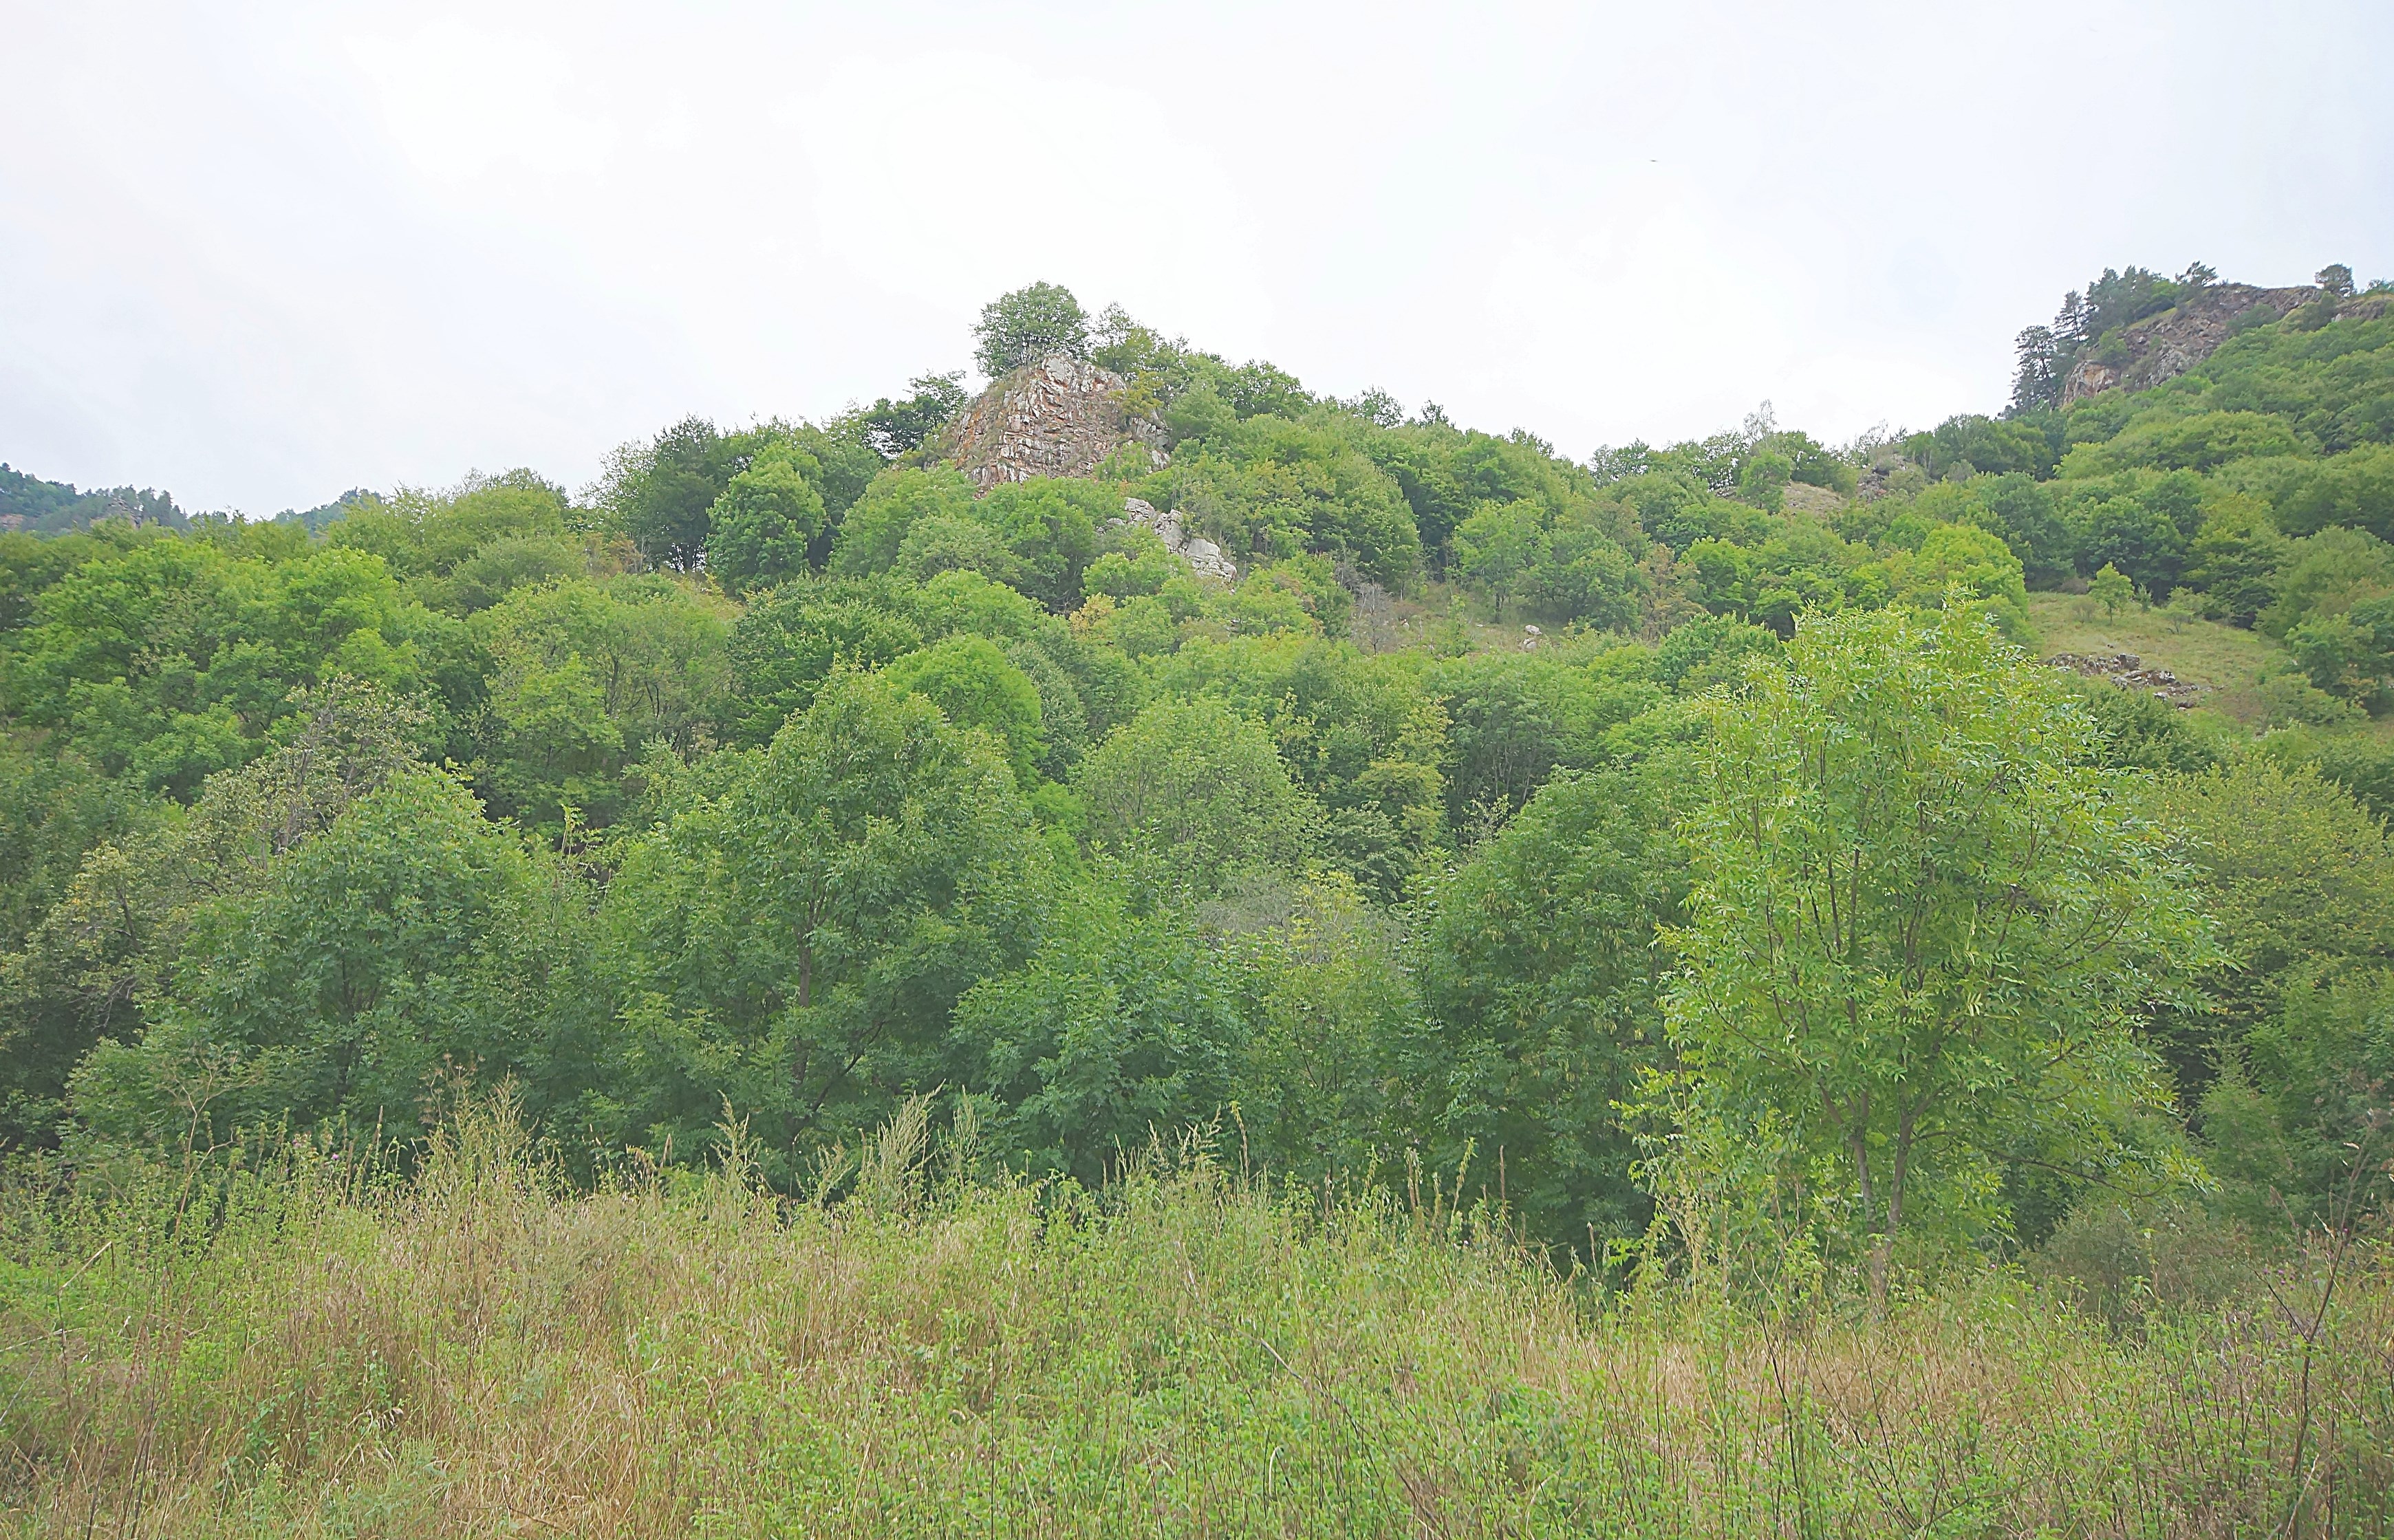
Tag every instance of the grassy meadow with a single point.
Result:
(2228, 662)
(289, 1346)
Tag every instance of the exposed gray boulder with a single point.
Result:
(1195, 549)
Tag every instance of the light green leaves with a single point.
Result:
(1923, 926)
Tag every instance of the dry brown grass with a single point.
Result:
(476, 1353)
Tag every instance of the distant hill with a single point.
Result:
(55, 508)
(36, 506)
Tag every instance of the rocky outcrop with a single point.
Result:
(1198, 551)
(2128, 671)
(1061, 417)
(2165, 345)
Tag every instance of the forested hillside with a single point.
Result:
(785, 774)
(1679, 859)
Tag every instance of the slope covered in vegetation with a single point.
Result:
(1511, 822)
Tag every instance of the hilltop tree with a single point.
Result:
(660, 492)
(1028, 326)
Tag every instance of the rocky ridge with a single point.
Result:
(2165, 345)
(1059, 416)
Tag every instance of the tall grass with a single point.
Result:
(303, 1350)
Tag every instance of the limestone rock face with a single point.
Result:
(1061, 417)
(1198, 551)
(2163, 347)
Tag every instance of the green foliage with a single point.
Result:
(659, 494)
(2297, 874)
(1542, 965)
(663, 496)
(1966, 445)
(1922, 927)
(410, 936)
(1190, 783)
(1965, 565)
(110, 948)
(896, 500)
(434, 540)
(2111, 589)
(1037, 535)
(1266, 487)
(1027, 325)
(1363, 737)
(767, 519)
(2360, 761)
(787, 642)
(896, 428)
(1559, 568)
(582, 677)
(1341, 1073)
(1446, 474)
(1124, 1022)
(2140, 523)
(810, 781)
(55, 507)
(2236, 558)
(975, 685)
(2292, 1076)
(2140, 732)
(2306, 1103)
(2354, 489)
(168, 660)
(2203, 442)
(1792, 567)
(2349, 655)
(1762, 478)
(1047, 528)
(2088, 327)
(1512, 724)
(2326, 575)
(791, 941)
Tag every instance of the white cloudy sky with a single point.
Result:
(257, 254)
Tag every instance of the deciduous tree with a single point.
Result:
(1924, 927)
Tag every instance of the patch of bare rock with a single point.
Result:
(2175, 341)
(1059, 416)
(2128, 671)
(1195, 549)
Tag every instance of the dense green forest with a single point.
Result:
(467, 954)
(779, 778)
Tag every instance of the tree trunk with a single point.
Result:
(1883, 1253)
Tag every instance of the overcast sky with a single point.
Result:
(257, 254)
